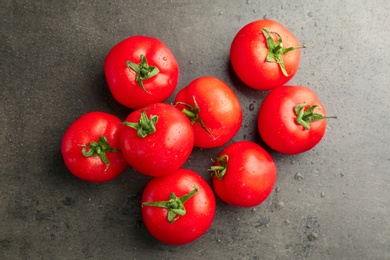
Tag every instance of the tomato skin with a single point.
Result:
(164, 151)
(277, 120)
(249, 50)
(250, 175)
(200, 209)
(220, 110)
(87, 128)
(122, 80)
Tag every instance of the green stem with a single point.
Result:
(143, 71)
(305, 117)
(99, 148)
(219, 171)
(193, 114)
(276, 50)
(175, 205)
(145, 126)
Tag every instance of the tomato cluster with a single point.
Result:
(156, 138)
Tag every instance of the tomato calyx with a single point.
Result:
(219, 171)
(175, 205)
(193, 114)
(145, 125)
(305, 117)
(99, 148)
(143, 71)
(276, 50)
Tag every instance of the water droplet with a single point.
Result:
(312, 236)
(298, 176)
(251, 107)
(279, 205)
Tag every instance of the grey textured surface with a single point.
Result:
(329, 203)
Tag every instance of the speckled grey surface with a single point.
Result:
(329, 203)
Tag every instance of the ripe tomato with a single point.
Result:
(90, 147)
(264, 54)
(157, 140)
(243, 174)
(140, 71)
(178, 208)
(214, 110)
(291, 119)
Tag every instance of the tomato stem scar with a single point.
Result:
(99, 148)
(175, 205)
(145, 126)
(276, 50)
(219, 171)
(143, 71)
(305, 117)
(193, 114)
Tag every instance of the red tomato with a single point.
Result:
(214, 110)
(90, 147)
(140, 71)
(157, 140)
(292, 119)
(243, 174)
(178, 208)
(264, 54)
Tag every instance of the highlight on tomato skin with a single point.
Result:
(265, 54)
(243, 174)
(178, 208)
(292, 119)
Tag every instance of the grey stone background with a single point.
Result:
(329, 203)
